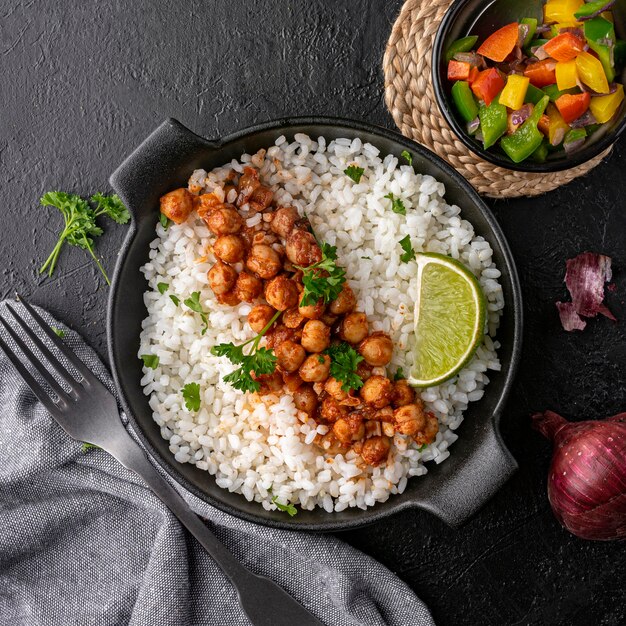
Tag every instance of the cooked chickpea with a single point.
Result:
(281, 293)
(331, 445)
(429, 432)
(289, 355)
(331, 410)
(222, 278)
(375, 450)
(284, 221)
(270, 383)
(313, 311)
(315, 336)
(177, 205)
(315, 368)
(305, 399)
(333, 387)
(229, 248)
(260, 316)
(261, 198)
(264, 261)
(345, 301)
(302, 249)
(292, 318)
(410, 419)
(329, 319)
(363, 370)
(205, 203)
(377, 349)
(230, 298)
(376, 391)
(349, 429)
(248, 182)
(353, 327)
(248, 287)
(292, 381)
(402, 394)
(224, 220)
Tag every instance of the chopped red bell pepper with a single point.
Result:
(564, 47)
(488, 85)
(500, 44)
(542, 73)
(473, 75)
(571, 107)
(458, 70)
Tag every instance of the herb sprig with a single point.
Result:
(193, 302)
(344, 360)
(409, 253)
(405, 154)
(258, 360)
(397, 206)
(191, 396)
(354, 172)
(324, 279)
(287, 508)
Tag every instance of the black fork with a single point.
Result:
(87, 411)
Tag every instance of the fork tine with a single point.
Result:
(43, 348)
(36, 363)
(36, 388)
(69, 354)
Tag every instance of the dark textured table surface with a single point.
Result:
(83, 83)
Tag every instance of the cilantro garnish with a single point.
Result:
(191, 395)
(397, 206)
(399, 375)
(409, 253)
(193, 302)
(344, 360)
(162, 287)
(354, 172)
(422, 448)
(323, 279)
(111, 206)
(287, 508)
(175, 299)
(405, 154)
(59, 332)
(150, 360)
(258, 360)
(165, 221)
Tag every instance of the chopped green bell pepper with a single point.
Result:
(597, 32)
(493, 122)
(574, 136)
(541, 153)
(465, 44)
(553, 92)
(534, 94)
(590, 8)
(464, 100)
(531, 22)
(619, 52)
(527, 138)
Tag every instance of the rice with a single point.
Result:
(265, 450)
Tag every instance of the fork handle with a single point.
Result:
(264, 602)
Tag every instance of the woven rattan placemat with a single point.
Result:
(410, 97)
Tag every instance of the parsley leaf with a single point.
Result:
(111, 206)
(162, 287)
(354, 172)
(165, 221)
(59, 332)
(397, 206)
(405, 154)
(150, 360)
(258, 361)
(191, 395)
(175, 299)
(344, 360)
(399, 375)
(193, 302)
(367, 257)
(287, 508)
(324, 279)
(409, 253)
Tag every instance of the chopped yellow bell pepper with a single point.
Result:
(591, 72)
(557, 126)
(514, 91)
(604, 107)
(561, 11)
(566, 74)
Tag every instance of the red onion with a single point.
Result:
(521, 115)
(539, 52)
(522, 31)
(469, 57)
(586, 119)
(473, 126)
(587, 479)
(606, 7)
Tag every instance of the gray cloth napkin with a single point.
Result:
(83, 541)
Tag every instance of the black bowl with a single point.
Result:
(477, 17)
(479, 463)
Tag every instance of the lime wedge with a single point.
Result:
(450, 315)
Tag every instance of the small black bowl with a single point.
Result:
(477, 17)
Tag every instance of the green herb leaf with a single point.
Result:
(111, 206)
(191, 395)
(162, 287)
(405, 154)
(354, 172)
(399, 375)
(150, 360)
(422, 448)
(174, 299)
(193, 302)
(344, 360)
(287, 508)
(165, 221)
(367, 257)
(324, 279)
(397, 206)
(59, 332)
(409, 253)
(88, 446)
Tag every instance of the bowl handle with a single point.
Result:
(462, 493)
(165, 156)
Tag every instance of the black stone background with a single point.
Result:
(82, 83)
